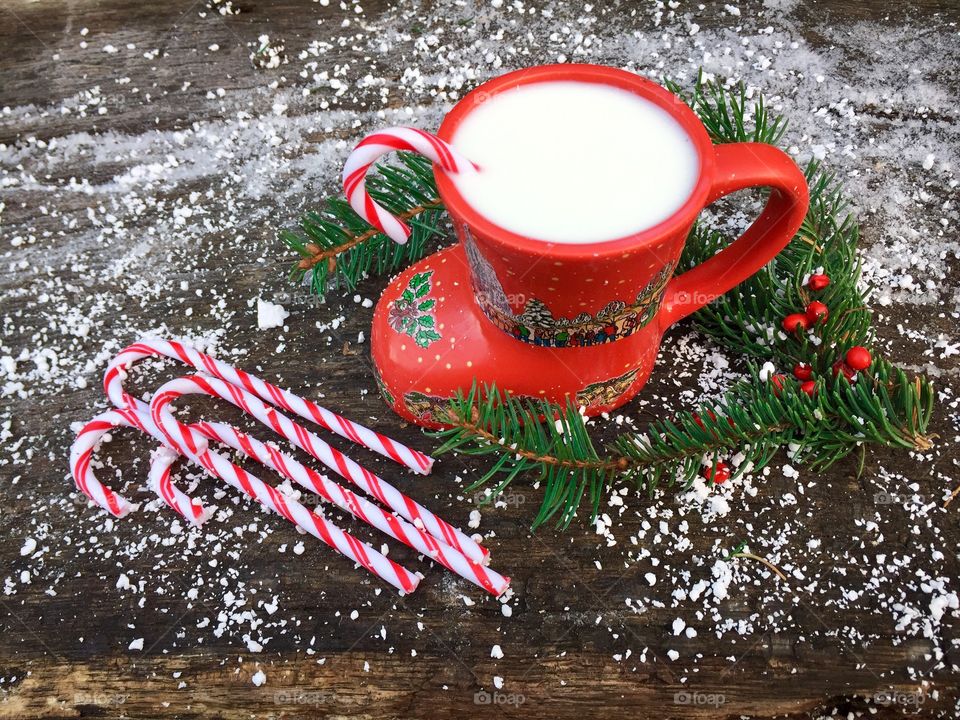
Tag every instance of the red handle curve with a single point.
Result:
(739, 166)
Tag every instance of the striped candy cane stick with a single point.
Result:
(301, 516)
(490, 580)
(81, 454)
(307, 441)
(162, 484)
(113, 385)
(381, 143)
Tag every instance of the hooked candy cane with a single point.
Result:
(180, 435)
(308, 410)
(81, 455)
(301, 516)
(380, 143)
(487, 578)
(132, 412)
(162, 484)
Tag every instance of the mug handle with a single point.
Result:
(380, 143)
(739, 166)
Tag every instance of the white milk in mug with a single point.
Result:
(574, 162)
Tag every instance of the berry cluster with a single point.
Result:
(814, 314)
(856, 359)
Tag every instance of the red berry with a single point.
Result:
(719, 474)
(802, 371)
(818, 282)
(698, 421)
(777, 381)
(841, 367)
(859, 358)
(817, 312)
(809, 387)
(795, 322)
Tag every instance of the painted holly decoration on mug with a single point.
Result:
(572, 189)
(411, 312)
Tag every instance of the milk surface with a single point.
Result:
(574, 162)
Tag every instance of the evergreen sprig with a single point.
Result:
(339, 248)
(486, 421)
(724, 112)
(748, 319)
(883, 407)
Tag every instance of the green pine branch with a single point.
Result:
(338, 248)
(728, 114)
(883, 407)
(748, 319)
(826, 242)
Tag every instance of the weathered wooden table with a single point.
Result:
(147, 164)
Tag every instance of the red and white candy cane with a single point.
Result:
(301, 516)
(380, 143)
(490, 580)
(115, 374)
(179, 435)
(162, 484)
(81, 455)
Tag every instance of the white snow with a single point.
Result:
(270, 315)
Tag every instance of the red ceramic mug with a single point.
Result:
(557, 320)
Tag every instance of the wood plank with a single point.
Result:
(64, 634)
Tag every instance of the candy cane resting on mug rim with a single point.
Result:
(315, 446)
(381, 143)
(308, 410)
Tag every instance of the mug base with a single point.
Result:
(430, 340)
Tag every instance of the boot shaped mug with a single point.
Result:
(550, 320)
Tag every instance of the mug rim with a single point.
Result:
(684, 216)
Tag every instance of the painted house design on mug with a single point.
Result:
(426, 407)
(606, 392)
(382, 387)
(535, 323)
(435, 408)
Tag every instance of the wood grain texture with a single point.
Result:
(65, 654)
